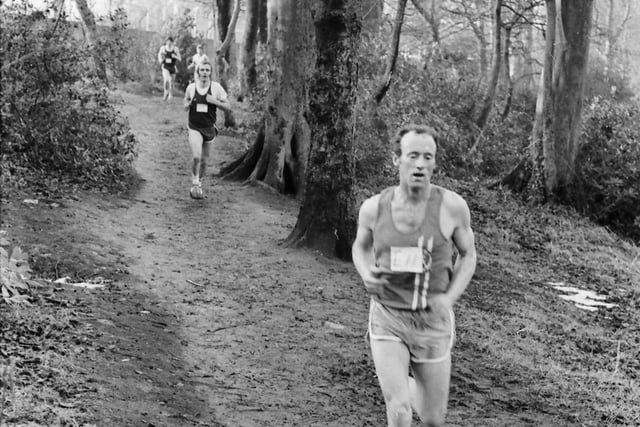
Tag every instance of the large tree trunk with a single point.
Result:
(570, 56)
(327, 219)
(557, 123)
(248, 75)
(279, 154)
(89, 22)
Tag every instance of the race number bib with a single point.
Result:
(406, 259)
(167, 61)
(202, 108)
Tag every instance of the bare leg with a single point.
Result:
(195, 142)
(206, 149)
(166, 82)
(430, 391)
(391, 359)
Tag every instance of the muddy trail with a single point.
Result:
(212, 322)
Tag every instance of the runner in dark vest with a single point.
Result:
(201, 100)
(403, 252)
(168, 56)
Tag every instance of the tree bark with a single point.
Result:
(327, 216)
(278, 155)
(248, 74)
(89, 22)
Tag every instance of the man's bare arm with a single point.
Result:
(464, 240)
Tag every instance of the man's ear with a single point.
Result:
(395, 158)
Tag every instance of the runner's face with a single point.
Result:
(417, 159)
(204, 72)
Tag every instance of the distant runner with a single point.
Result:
(168, 57)
(201, 99)
(198, 58)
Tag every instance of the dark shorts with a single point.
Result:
(170, 69)
(208, 134)
(428, 334)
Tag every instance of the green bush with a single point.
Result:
(607, 185)
(57, 123)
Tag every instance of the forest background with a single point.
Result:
(472, 70)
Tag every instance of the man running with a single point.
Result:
(198, 58)
(403, 252)
(201, 99)
(168, 56)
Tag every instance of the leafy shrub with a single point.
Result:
(57, 123)
(607, 185)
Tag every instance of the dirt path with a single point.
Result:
(211, 322)
(253, 341)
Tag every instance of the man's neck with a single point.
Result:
(412, 195)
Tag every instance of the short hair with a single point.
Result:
(415, 128)
(199, 45)
(205, 62)
(170, 39)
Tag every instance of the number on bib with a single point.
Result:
(202, 108)
(406, 259)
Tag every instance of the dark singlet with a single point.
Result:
(169, 61)
(409, 290)
(202, 115)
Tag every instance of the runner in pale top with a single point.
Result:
(201, 100)
(168, 57)
(198, 58)
(403, 252)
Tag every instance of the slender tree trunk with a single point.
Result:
(479, 30)
(248, 75)
(225, 10)
(376, 122)
(263, 26)
(221, 59)
(393, 53)
(278, 156)
(372, 16)
(432, 17)
(89, 22)
(327, 217)
(482, 114)
(507, 73)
